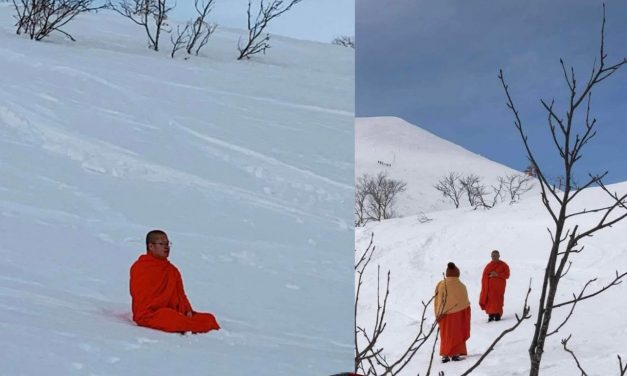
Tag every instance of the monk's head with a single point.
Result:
(452, 270)
(495, 255)
(157, 244)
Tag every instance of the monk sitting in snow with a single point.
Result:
(159, 300)
(452, 310)
(493, 287)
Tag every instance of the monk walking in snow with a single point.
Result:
(493, 283)
(159, 300)
(452, 310)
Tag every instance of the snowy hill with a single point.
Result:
(246, 165)
(417, 253)
(417, 157)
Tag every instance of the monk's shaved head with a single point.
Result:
(158, 244)
(154, 236)
(495, 255)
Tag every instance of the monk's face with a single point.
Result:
(495, 255)
(160, 246)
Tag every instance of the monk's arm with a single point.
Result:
(186, 305)
(506, 272)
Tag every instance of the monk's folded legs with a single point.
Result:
(203, 322)
(170, 320)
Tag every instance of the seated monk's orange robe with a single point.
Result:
(159, 301)
(493, 288)
(452, 308)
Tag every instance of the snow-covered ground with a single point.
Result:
(247, 165)
(417, 253)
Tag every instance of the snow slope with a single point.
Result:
(417, 157)
(417, 253)
(246, 165)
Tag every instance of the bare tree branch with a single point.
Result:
(580, 297)
(267, 12)
(622, 369)
(564, 343)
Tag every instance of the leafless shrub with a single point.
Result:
(149, 14)
(179, 40)
(201, 30)
(451, 188)
(516, 185)
(344, 41)
(195, 35)
(454, 186)
(39, 18)
(475, 191)
(375, 197)
(257, 43)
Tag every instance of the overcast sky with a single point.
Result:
(435, 64)
(320, 20)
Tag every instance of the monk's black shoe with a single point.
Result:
(445, 359)
(497, 317)
(491, 318)
(456, 358)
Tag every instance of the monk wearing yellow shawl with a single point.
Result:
(452, 310)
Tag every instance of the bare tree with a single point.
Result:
(375, 197)
(516, 185)
(497, 193)
(179, 40)
(201, 30)
(39, 18)
(195, 35)
(369, 357)
(150, 14)
(474, 190)
(361, 199)
(450, 187)
(257, 43)
(344, 41)
(382, 193)
(569, 141)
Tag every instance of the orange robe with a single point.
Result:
(452, 308)
(159, 300)
(454, 332)
(493, 288)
